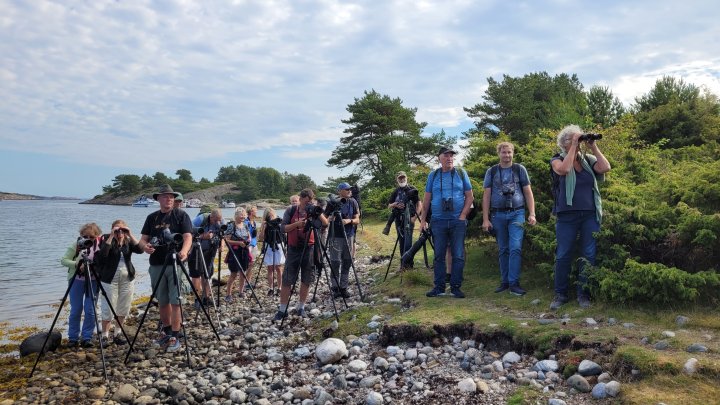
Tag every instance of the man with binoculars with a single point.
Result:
(167, 222)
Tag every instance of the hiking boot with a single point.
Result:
(584, 301)
(456, 292)
(173, 345)
(87, 344)
(162, 342)
(502, 287)
(558, 301)
(279, 315)
(386, 230)
(72, 344)
(434, 292)
(344, 293)
(515, 289)
(119, 340)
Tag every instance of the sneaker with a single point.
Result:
(584, 301)
(72, 344)
(558, 301)
(301, 313)
(87, 344)
(119, 340)
(229, 299)
(345, 293)
(434, 292)
(502, 287)
(515, 289)
(386, 230)
(173, 345)
(457, 293)
(162, 342)
(279, 315)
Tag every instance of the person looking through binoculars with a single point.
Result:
(211, 224)
(253, 228)
(81, 299)
(274, 257)
(344, 214)
(117, 275)
(161, 224)
(403, 195)
(300, 250)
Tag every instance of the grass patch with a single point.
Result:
(524, 396)
(680, 389)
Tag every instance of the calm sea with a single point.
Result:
(34, 236)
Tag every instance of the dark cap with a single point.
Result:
(400, 174)
(165, 189)
(445, 149)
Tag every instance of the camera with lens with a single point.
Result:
(274, 223)
(166, 238)
(447, 204)
(334, 202)
(589, 137)
(83, 243)
(198, 231)
(313, 211)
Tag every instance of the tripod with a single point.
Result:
(337, 222)
(311, 228)
(88, 287)
(242, 271)
(272, 238)
(205, 277)
(171, 257)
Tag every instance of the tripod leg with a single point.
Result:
(242, 271)
(112, 310)
(219, 296)
(176, 279)
(89, 288)
(147, 308)
(397, 240)
(325, 256)
(197, 296)
(52, 326)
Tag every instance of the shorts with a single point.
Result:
(196, 270)
(167, 290)
(120, 293)
(296, 264)
(274, 257)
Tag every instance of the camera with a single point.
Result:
(198, 231)
(274, 223)
(83, 243)
(447, 204)
(589, 137)
(166, 238)
(334, 202)
(508, 189)
(313, 211)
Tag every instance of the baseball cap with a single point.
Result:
(343, 186)
(400, 174)
(445, 149)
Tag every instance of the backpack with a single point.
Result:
(473, 208)
(515, 172)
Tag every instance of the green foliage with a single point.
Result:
(124, 183)
(383, 137)
(262, 182)
(655, 283)
(604, 108)
(184, 175)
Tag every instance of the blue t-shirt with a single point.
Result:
(452, 184)
(505, 176)
(208, 227)
(583, 199)
(252, 228)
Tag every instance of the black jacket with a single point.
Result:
(108, 257)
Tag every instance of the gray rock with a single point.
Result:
(511, 357)
(411, 354)
(467, 385)
(417, 386)
(176, 388)
(546, 321)
(690, 366)
(668, 334)
(238, 396)
(275, 356)
(497, 365)
(302, 352)
(536, 301)
(556, 401)
(373, 325)
(579, 383)
(604, 378)
(546, 365)
(371, 381)
(302, 393)
(392, 350)
(588, 367)
(374, 398)
(356, 366)
(612, 321)
(662, 345)
(125, 393)
(381, 363)
(599, 392)
(628, 325)
(681, 320)
(590, 322)
(612, 388)
(323, 397)
(340, 382)
(696, 348)
(331, 350)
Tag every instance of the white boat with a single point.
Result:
(145, 202)
(227, 204)
(193, 203)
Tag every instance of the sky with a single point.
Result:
(93, 89)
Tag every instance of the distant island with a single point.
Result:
(16, 196)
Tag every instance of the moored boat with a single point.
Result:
(144, 201)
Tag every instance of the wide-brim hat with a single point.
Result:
(445, 149)
(165, 189)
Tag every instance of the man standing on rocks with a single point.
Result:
(404, 192)
(300, 247)
(340, 245)
(176, 221)
(506, 194)
(449, 194)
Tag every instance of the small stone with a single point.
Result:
(662, 345)
(340, 382)
(668, 334)
(356, 366)
(373, 325)
(467, 385)
(579, 383)
(681, 320)
(482, 387)
(612, 388)
(96, 393)
(125, 393)
(612, 321)
(381, 363)
(598, 391)
(411, 354)
(556, 401)
(498, 365)
(628, 325)
(238, 396)
(696, 348)
(302, 393)
(546, 365)
(536, 301)
(374, 398)
(371, 381)
(588, 367)
(511, 357)
(590, 322)
(690, 366)
(302, 352)
(604, 378)
(331, 350)
(323, 397)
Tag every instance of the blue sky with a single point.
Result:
(92, 89)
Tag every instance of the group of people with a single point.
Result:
(507, 199)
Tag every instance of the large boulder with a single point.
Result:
(34, 343)
(331, 350)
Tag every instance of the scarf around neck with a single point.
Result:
(570, 179)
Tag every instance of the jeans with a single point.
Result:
(569, 225)
(508, 226)
(81, 300)
(405, 236)
(449, 233)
